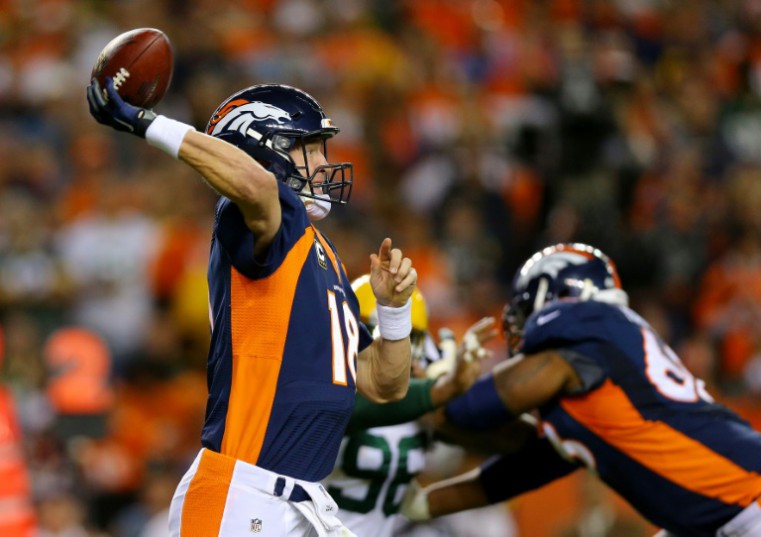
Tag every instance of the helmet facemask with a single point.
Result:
(514, 317)
(337, 179)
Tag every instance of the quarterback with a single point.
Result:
(287, 348)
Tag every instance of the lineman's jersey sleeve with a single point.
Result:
(237, 240)
(568, 329)
(416, 403)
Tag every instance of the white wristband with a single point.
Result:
(395, 323)
(167, 134)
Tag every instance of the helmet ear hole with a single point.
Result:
(283, 143)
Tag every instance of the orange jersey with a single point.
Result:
(284, 345)
(643, 422)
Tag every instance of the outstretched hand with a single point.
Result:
(392, 276)
(460, 366)
(471, 349)
(111, 110)
(467, 367)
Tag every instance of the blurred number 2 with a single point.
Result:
(79, 366)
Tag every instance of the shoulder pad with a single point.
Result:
(565, 322)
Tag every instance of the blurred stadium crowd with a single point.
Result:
(480, 130)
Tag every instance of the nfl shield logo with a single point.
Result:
(256, 525)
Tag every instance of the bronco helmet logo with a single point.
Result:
(238, 115)
(551, 265)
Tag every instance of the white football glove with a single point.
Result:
(448, 349)
(415, 503)
(471, 347)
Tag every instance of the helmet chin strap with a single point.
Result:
(317, 208)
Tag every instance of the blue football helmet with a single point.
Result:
(267, 121)
(563, 271)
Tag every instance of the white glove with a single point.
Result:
(473, 348)
(448, 348)
(415, 503)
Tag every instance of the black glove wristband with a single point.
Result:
(144, 119)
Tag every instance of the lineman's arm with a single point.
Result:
(383, 368)
(534, 380)
(514, 387)
(502, 439)
(498, 479)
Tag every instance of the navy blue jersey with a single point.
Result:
(284, 344)
(643, 423)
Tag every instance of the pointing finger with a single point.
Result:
(384, 251)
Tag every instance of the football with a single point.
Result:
(141, 62)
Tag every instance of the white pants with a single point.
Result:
(223, 497)
(745, 524)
